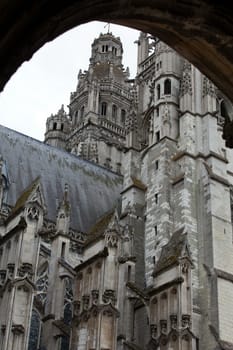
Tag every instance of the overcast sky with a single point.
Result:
(40, 86)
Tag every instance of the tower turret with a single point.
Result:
(107, 48)
(166, 91)
(143, 47)
(57, 128)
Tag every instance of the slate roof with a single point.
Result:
(93, 190)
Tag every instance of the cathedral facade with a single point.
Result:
(116, 232)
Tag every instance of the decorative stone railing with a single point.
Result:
(111, 126)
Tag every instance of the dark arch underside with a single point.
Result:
(201, 30)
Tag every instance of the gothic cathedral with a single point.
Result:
(116, 232)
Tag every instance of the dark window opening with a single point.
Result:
(156, 165)
(156, 198)
(65, 342)
(123, 113)
(158, 92)
(223, 110)
(156, 230)
(167, 87)
(157, 111)
(82, 112)
(54, 126)
(63, 249)
(62, 127)
(157, 136)
(104, 48)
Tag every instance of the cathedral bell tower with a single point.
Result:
(100, 106)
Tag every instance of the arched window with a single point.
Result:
(62, 126)
(114, 111)
(167, 87)
(123, 113)
(54, 126)
(103, 110)
(158, 92)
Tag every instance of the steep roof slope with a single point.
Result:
(93, 190)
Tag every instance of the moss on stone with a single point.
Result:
(98, 229)
(24, 196)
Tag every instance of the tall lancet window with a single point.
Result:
(167, 87)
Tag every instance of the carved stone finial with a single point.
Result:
(186, 321)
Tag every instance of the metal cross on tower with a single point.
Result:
(108, 25)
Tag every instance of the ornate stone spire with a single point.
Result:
(63, 215)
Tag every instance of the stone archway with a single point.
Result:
(201, 30)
